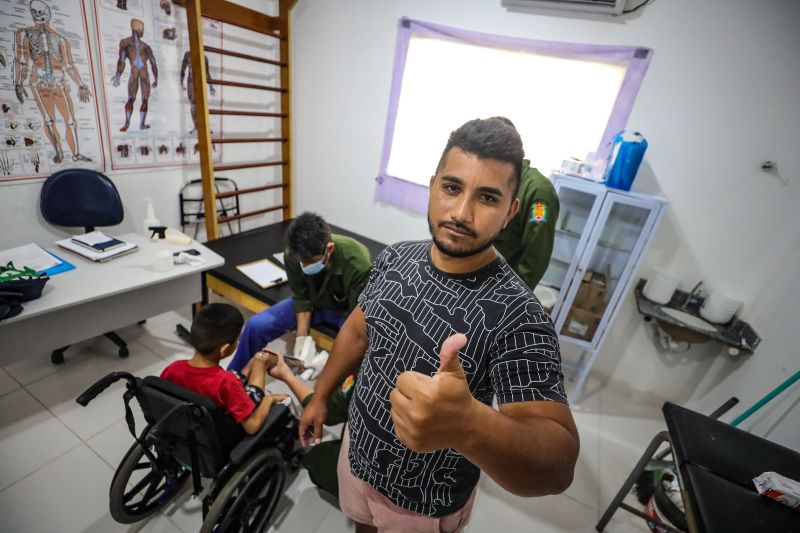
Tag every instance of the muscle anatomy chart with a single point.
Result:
(148, 83)
(48, 114)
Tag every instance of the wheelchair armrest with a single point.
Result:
(277, 419)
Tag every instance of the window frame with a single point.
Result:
(414, 196)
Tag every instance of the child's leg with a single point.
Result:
(246, 370)
(256, 379)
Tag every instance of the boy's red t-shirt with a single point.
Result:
(214, 382)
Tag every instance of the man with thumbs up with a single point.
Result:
(442, 328)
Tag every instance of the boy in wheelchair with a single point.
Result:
(214, 335)
(209, 425)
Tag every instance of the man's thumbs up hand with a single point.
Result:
(449, 362)
(433, 412)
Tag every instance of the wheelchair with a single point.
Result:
(191, 436)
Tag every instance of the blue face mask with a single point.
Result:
(315, 268)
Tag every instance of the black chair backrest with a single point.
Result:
(80, 197)
(216, 435)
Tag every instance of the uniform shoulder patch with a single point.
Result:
(348, 383)
(538, 212)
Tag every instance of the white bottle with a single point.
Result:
(150, 219)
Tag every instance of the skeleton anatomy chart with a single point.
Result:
(147, 81)
(48, 112)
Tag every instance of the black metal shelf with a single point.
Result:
(736, 333)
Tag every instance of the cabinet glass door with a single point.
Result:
(611, 254)
(579, 207)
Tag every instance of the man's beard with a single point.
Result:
(455, 252)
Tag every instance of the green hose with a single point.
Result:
(760, 403)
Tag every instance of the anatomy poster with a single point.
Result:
(49, 118)
(147, 79)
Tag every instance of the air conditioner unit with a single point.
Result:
(608, 7)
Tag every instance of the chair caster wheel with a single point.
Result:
(57, 357)
(123, 352)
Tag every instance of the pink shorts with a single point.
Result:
(365, 505)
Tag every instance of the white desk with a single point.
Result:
(95, 298)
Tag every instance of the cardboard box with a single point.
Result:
(581, 324)
(592, 291)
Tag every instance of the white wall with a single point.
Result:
(720, 97)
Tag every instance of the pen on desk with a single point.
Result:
(276, 280)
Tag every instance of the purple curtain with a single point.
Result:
(412, 196)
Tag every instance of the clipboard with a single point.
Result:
(263, 273)
(58, 269)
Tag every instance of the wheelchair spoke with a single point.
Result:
(141, 466)
(253, 502)
(148, 479)
(154, 489)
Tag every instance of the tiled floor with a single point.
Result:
(57, 459)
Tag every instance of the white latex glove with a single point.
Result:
(318, 361)
(299, 342)
(315, 366)
(308, 349)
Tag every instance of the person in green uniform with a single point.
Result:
(320, 460)
(527, 241)
(326, 274)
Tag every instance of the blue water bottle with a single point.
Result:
(624, 160)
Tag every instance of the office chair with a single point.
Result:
(81, 197)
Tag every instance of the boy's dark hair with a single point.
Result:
(214, 325)
(307, 236)
(489, 138)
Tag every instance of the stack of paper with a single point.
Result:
(34, 257)
(86, 251)
(264, 273)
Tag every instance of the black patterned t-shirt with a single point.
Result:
(411, 307)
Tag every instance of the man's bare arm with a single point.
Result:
(346, 357)
(303, 323)
(528, 448)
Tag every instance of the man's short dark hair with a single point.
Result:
(307, 236)
(215, 325)
(489, 138)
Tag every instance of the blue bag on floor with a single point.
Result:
(624, 160)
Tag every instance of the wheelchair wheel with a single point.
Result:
(248, 499)
(140, 488)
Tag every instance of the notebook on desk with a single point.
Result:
(99, 257)
(97, 241)
(264, 273)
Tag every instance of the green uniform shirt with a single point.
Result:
(527, 241)
(339, 286)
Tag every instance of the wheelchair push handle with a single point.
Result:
(102, 384)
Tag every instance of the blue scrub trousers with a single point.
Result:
(270, 324)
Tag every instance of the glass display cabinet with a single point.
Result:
(601, 236)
